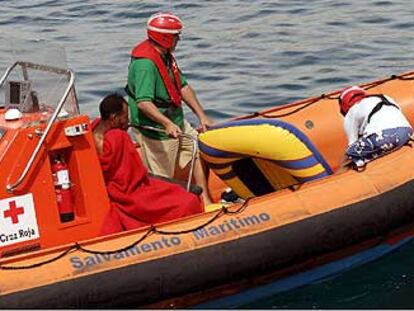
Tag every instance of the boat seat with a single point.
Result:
(260, 156)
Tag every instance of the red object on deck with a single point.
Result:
(63, 191)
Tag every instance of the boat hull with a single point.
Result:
(288, 248)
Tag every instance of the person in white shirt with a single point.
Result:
(374, 125)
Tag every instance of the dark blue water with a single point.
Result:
(387, 283)
(244, 56)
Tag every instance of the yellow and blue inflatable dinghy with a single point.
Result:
(256, 157)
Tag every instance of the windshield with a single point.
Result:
(38, 77)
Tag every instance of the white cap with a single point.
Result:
(12, 114)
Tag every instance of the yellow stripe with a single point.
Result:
(264, 144)
(307, 172)
(261, 141)
(239, 187)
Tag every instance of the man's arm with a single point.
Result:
(152, 112)
(191, 100)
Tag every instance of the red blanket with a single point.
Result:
(137, 199)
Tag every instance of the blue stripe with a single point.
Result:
(314, 177)
(213, 152)
(227, 176)
(284, 125)
(298, 164)
(217, 165)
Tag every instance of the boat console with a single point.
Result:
(52, 190)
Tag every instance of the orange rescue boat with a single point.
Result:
(290, 221)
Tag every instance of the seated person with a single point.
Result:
(136, 199)
(374, 125)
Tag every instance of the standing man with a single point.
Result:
(156, 89)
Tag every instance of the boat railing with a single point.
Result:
(11, 186)
(193, 154)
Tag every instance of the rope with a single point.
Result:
(89, 251)
(223, 211)
(269, 115)
(39, 264)
(310, 102)
(392, 77)
(306, 105)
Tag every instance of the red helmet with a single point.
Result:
(349, 97)
(163, 27)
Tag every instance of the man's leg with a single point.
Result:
(368, 148)
(159, 155)
(200, 178)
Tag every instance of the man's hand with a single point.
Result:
(205, 123)
(173, 130)
(152, 112)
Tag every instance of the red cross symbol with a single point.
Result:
(13, 212)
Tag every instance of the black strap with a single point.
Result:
(384, 102)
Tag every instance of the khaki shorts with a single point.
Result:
(170, 157)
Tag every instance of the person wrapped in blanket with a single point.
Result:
(136, 198)
(374, 125)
